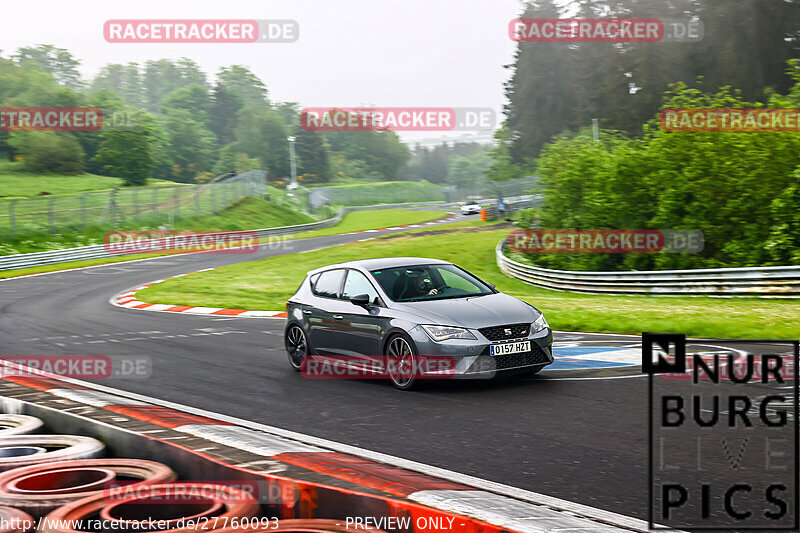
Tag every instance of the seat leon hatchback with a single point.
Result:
(410, 319)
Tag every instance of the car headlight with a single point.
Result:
(443, 333)
(539, 324)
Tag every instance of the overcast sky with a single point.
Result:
(353, 52)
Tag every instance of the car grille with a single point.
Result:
(488, 363)
(501, 333)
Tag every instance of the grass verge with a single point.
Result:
(374, 219)
(390, 192)
(15, 182)
(267, 283)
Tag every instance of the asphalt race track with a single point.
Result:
(577, 432)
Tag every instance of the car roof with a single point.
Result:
(383, 262)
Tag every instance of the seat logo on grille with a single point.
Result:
(507, 331)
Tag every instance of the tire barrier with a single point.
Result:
(39, 489)
(24, 450)
(20, 451)
(15, 521)
(18, 425)
(172, 507)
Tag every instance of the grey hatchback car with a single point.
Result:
(386, 317)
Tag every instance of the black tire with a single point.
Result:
(401, 352)
(296, 346)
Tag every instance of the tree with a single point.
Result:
(57, 62)
(467, 172)
(312, 154)
(381, 151)
(502, 168)
(127, 154)
(226, 104)
(232, 161)
(239, 79)
(194, 99)
(124, 80)
(289, 112)
(164, 76)
(260, 133)
(557, 87)
(191, 144)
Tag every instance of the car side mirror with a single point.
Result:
(360, 299)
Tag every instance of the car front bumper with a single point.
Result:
(471, 358)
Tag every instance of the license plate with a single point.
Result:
(510, 347)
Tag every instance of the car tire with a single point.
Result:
(296, 345)
(401, 348)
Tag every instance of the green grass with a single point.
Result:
(375, 219)
(248, 213)
(17, 183)
(267, 283)
(384, 192)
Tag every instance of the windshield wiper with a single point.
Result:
(444, 297)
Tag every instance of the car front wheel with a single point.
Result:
(400, 358)
(296, 346)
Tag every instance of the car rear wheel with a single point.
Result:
(401, 356)
(296, 346)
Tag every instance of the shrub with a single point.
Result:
(47, 151)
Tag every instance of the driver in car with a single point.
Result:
(421, 285)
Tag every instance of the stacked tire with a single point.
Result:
(39, 489)
(64, 480)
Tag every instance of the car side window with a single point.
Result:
(328, 283)
(357, 283)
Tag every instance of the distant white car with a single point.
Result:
(470, 208)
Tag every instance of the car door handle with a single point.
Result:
(306, 311)
(337, 317)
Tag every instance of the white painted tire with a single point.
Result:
(58, 448)
(18, 425)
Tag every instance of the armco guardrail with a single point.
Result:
(97, 251)
(761, 282)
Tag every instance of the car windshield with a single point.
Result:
(429, 282)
